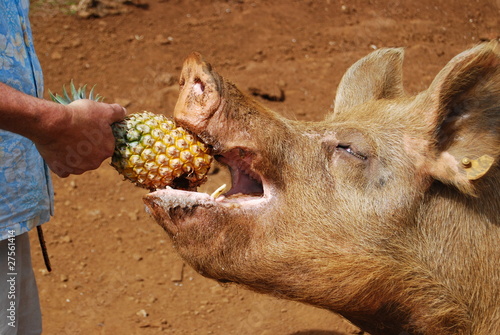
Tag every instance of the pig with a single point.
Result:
(386, 212)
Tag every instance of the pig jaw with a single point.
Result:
(210, 234)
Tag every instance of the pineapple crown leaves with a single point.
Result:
(76, 94)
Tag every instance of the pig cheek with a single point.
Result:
(344, 173)
(209, 229)
(218, 250)
(185, 225)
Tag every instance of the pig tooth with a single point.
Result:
(218, 191)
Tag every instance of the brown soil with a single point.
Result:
(114, 270)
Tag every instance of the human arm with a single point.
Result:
(71, 138)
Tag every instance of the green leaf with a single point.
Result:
(76, 94)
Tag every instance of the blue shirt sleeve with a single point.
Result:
(26, 194)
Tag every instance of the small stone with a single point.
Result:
(177, 271)
(95, 213)
(54, 40)
(142, 313)
(133, 216)
(56, 55)
(66, 239)
(216, 289)
(84, 14)
(163, 40)
(76, 43)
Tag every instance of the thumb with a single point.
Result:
(118, 113)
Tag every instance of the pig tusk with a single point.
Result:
(218, 191)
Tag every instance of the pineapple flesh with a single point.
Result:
(151, 151)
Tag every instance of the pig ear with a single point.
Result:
(376, 76)
(463, 107)
(200, 92)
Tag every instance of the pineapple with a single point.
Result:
(151, 151)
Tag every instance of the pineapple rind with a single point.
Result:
(152, 152)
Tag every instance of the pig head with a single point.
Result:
(387, 212)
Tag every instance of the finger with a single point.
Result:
(109, 149)
(63, 171)
(118, 113)
(58, 168)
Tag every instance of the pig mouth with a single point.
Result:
(249, 190)
(246, 182)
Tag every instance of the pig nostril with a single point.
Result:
(198, 86)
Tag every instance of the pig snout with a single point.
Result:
(385, 212)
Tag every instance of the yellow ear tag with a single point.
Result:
(476, 168)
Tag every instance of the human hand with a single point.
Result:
(82, 139)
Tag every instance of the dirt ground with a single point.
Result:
(114, 270)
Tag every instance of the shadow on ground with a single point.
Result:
(319, 332)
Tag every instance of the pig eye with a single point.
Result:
(350, 151)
